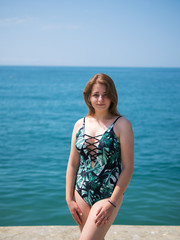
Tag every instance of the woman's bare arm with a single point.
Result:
(71, 174)
(126, 138)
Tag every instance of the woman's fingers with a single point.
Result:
(98, 215)
(76, 217)
(79, 211)
(103, 220)
(76, 212)
(99, 210)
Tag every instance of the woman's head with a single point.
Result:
(111, 92)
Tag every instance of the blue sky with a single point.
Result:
(129, 33)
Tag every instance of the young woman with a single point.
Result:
(101, 160)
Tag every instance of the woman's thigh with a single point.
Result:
(93, 232)
(85, 208)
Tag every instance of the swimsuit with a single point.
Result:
(98, 182)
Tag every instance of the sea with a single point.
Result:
(38, 109)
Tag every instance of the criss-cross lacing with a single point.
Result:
(92, 147)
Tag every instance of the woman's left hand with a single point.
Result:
(103, 214)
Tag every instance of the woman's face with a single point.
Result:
(98, 98)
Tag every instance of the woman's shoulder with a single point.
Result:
(123, 121)
(78, 124)
(123, 125)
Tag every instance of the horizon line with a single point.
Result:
(89, 66)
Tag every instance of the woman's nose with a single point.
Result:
(100, 97)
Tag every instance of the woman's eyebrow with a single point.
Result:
(98, 92)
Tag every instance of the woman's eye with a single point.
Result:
(96, 95)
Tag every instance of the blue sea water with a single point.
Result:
(38, 108)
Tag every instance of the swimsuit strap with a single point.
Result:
(84, 121)
(116, 120)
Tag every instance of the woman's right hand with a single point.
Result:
(75, 211)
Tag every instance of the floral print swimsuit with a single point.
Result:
(97, 182)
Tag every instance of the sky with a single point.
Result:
(117, 33)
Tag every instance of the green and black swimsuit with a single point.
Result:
(97, 182)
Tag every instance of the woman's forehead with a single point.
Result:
(98, 87)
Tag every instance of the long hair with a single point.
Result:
(104, 79)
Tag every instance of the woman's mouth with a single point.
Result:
(100, 105)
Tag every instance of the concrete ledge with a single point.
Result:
(116, 232)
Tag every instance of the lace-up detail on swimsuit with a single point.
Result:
(91, 144)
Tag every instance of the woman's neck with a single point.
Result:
(102, 115)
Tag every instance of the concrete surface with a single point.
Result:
(116, 232)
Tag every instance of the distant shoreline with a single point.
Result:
(65, 66)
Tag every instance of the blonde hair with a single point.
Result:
(104, 79)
